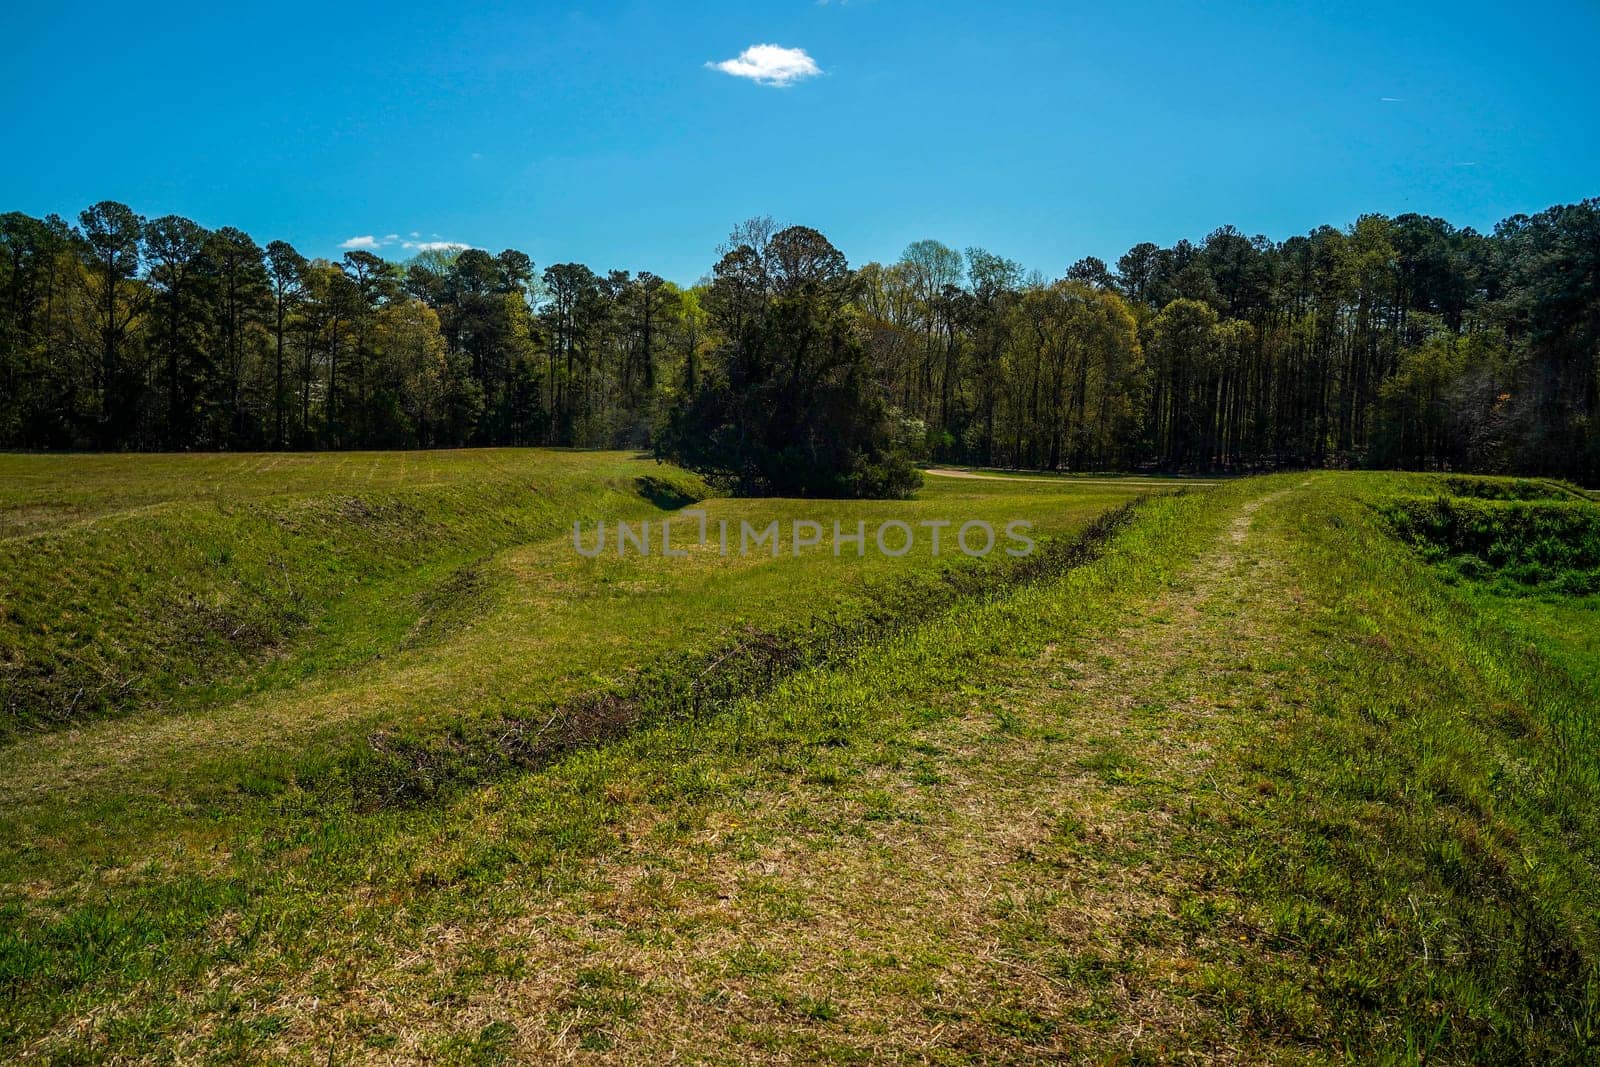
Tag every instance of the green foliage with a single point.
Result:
(1510, 489)
(1394, 342)
(1521, 537)
(787, 405)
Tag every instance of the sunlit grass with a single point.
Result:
(469, 603)
(1259, 781)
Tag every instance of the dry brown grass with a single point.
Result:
(1004, 890)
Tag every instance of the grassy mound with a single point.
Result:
(479, 659)
(1254, 782)
(1424, 855)
(398, 768)
(180, 573)
(1550, 545)
(1510, 489)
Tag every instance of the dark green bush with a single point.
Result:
(1553, 544)
(1507, 489)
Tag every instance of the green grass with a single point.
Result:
(161, 900)
(416, 640)
(1533, 542)
(1499, 488)
(159, 582)
(1257, 779)
(1427, 851)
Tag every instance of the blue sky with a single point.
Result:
(600, 133)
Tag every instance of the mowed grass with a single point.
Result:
(1259, 782)
(468, 605)
(154, 582)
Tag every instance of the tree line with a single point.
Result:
(1400, 341)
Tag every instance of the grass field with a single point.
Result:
(1283, 769)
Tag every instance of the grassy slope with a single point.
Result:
(1257, 783)
(167, 582)
(538, 626)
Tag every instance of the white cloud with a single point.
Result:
(435, 246)
(371, 243)
(1391, 100)
(770, 64)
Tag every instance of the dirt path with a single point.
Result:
(1013, 885)
(1073, 479)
